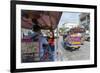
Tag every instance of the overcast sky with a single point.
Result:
(69, 17)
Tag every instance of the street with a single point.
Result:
(82, 54)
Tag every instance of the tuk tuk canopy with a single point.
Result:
(77, 30)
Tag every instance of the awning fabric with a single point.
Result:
(44, 19)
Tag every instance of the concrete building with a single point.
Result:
(84, 19)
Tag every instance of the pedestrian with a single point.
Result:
(47, 53)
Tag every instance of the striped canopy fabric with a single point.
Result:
(44, 19)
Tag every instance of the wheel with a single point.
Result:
(72, 49)
(77, 48)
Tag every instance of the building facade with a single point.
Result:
(84, 19)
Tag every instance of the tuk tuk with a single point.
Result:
(72, 40)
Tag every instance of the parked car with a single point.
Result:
(87, 37)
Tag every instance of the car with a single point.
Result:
(87, 37)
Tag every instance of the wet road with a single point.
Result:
(82, 54)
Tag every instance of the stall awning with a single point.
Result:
(44, 19)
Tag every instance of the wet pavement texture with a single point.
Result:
(82, 54)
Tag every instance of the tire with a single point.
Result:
(77, 48)
(72, 49)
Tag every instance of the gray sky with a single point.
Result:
(69, 17)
